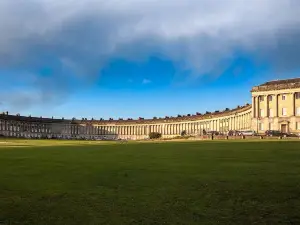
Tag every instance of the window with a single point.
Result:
(270, 126)
(270, 112)
(261, 98)
(284, 112)
(270, 98)
(261, 126)
(298, 95)
(283, 97)
(262, 113)
(297, 125)
(298, 111)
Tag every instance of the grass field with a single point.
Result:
(65, 182)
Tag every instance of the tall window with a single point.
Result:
(298, 95)
(262, 113)
(298, 111)
(270, 126)
(284, 112)
(270, 112)
(283, 97)
(270, 98)
(261, 98)
(261, 126)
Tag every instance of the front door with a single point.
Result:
(283, 128)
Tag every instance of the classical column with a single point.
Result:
(242, 122)
(266, 106)
(276, 105)
(257, 106)
(293, 104)
(253, 107)
(235, 122)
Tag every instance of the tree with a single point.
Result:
(154, 135)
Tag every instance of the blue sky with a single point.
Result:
(144, 58)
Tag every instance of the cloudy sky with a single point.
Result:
(130, 58)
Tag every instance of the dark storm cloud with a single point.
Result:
(284, 54)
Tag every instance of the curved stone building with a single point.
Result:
(275, 106)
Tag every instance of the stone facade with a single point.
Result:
(16, 126)
(275, 106)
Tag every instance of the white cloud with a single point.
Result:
(82, 36)
(196, 33)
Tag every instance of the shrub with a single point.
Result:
(154, 135)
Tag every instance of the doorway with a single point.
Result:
(283, 128)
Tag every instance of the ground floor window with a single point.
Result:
(271, 126)
(261, 126)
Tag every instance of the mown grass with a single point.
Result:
(236, 182)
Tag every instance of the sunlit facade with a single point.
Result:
(275, 106)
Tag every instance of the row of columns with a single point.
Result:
(234, 122)
(256, 104)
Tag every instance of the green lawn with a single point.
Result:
(223, 182)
